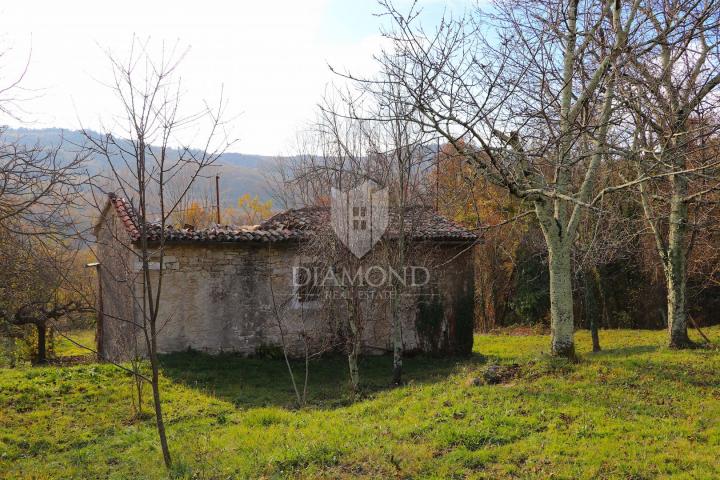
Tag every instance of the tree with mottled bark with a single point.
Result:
(671, 91)
(517, 100)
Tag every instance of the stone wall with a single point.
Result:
(240, 297)
(117, 332)
(224, 297)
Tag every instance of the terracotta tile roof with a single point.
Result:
(421, 223)
(304, 219)
(217, 233)
(126, 214)
(223, 233)
(292, 225)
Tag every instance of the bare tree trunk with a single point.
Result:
(674, 259)
(158, 408)
(139, 391)
(676, 271)
(354, 370)
(42, 342)
(561, 300)
(150, 312)
(562, 319)
(354, 343)
(603, 307)
(397, 341)
(592, 309)
(595, 334)
(300, 399)
(138, 384)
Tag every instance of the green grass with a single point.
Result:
(636, 410)
(66, 348)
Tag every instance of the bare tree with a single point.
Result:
(341, 163)
(143, 162)
(398, 154)
(517, 104)
(42, 315)
(404, 150)
(608, 237)
(39, 187)
(280, 307)
(671, 91)
(34, 288)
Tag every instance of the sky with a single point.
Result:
(269, 57)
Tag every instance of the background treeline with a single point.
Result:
(617, 278)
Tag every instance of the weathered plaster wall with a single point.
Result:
(219, 298)
(117, 333)
(228, 297)
(445, 320)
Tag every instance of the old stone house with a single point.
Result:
(237, 289)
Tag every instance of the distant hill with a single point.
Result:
(240, 173)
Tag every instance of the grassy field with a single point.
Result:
(66, 348)
(635, 411)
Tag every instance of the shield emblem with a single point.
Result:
(359, 216)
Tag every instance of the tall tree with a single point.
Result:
(142, 165)
(671, 90)
(521, 98)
